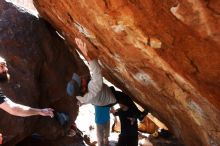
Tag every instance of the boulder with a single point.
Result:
(163, 53)
(40, 64)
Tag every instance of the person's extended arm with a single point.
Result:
(24, 111)
(82, 46)
(96, 83)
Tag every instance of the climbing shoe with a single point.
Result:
(164, 133)
(143, 114)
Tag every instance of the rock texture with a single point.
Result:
(164, 53)
(40, 65)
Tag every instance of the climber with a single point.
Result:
(14, 108)
(93, 90)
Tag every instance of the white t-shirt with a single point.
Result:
(98, 94)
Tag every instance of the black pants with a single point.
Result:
(127, 140)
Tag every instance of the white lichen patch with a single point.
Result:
(116, 57)
(196, 111)
(103, 20)
(144, 79)
(84, 31)
(121, 68)
(118, 28)
(136, 38)
(139, 43)
(195, 107)
(155, 43)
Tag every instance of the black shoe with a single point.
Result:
(62, 118)
(164, 133)
(143, 114)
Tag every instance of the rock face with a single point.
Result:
(40, 65)
(164, 53)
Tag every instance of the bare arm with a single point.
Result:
(82, 46)
(24, 111)
(95, 85)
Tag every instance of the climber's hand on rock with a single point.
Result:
(83, 48)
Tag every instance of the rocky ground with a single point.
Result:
(86, 123)
(83, 133)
